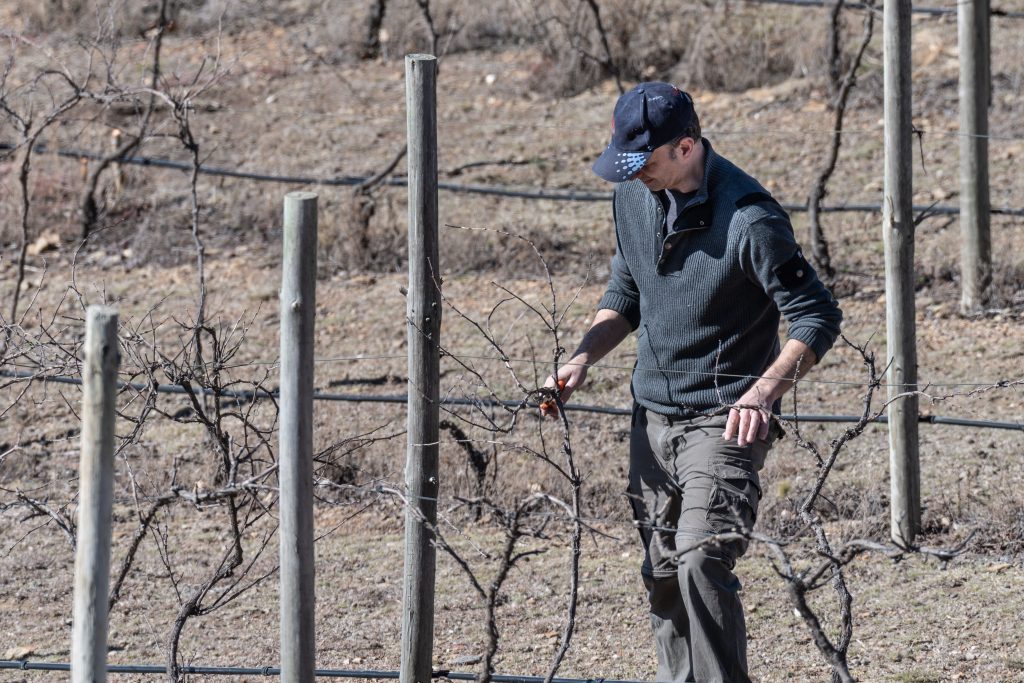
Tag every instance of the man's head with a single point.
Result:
(650, 116)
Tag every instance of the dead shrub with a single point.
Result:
(564, 74)
(86, 17)
(717, 47)
(371, 234)
(862, 506)
(50, 182)
(996, 526)
(461, 26)
(1008, 285)
(127, 19)
(735, 49)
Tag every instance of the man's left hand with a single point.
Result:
(750, 418)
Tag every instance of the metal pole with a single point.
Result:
(298, 308)
(423, 310)
(898, 235)
(975, 202)
(95, 480)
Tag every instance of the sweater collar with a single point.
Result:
(710, 166)
(695, 215)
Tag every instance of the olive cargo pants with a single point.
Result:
(687, 483)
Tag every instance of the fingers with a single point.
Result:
(566, 378)
(731, 424)
(747, 425)
(743, 425)
(753, 425)
(571, 377)
(549, 407)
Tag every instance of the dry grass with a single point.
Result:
(293, 100)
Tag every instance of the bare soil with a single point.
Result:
(283, 108)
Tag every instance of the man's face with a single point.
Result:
(666, 166)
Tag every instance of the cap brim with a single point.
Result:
(617, 166)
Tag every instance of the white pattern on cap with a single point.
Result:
(631, 161)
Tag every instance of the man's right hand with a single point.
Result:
(571, 376)
(610, 327)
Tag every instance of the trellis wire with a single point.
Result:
(24, 665)
(250, 395)
(550, 195)
(1000, 383)
(929, 11)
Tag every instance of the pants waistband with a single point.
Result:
(669, 420)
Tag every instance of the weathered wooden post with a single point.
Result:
(975, 202)
(898, 235)
(295, 459)
(95, 481)
(423, 310)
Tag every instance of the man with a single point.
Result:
(705, 262)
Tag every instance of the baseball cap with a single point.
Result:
(646, 117)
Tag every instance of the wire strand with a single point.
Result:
(252, 395)
(25, 665)
(552, 195)
(633, 368)
(601, 366)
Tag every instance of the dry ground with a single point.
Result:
(280, 107)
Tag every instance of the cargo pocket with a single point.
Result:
(735, 494)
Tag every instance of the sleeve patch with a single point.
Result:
(795, 272)
(753, 198)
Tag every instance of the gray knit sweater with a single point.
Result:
(706, 294)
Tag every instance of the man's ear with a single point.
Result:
(685, 146)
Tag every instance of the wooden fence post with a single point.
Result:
(423, 310)
(295, 459)
(898, 235)
(95, 481)
(975, 202)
